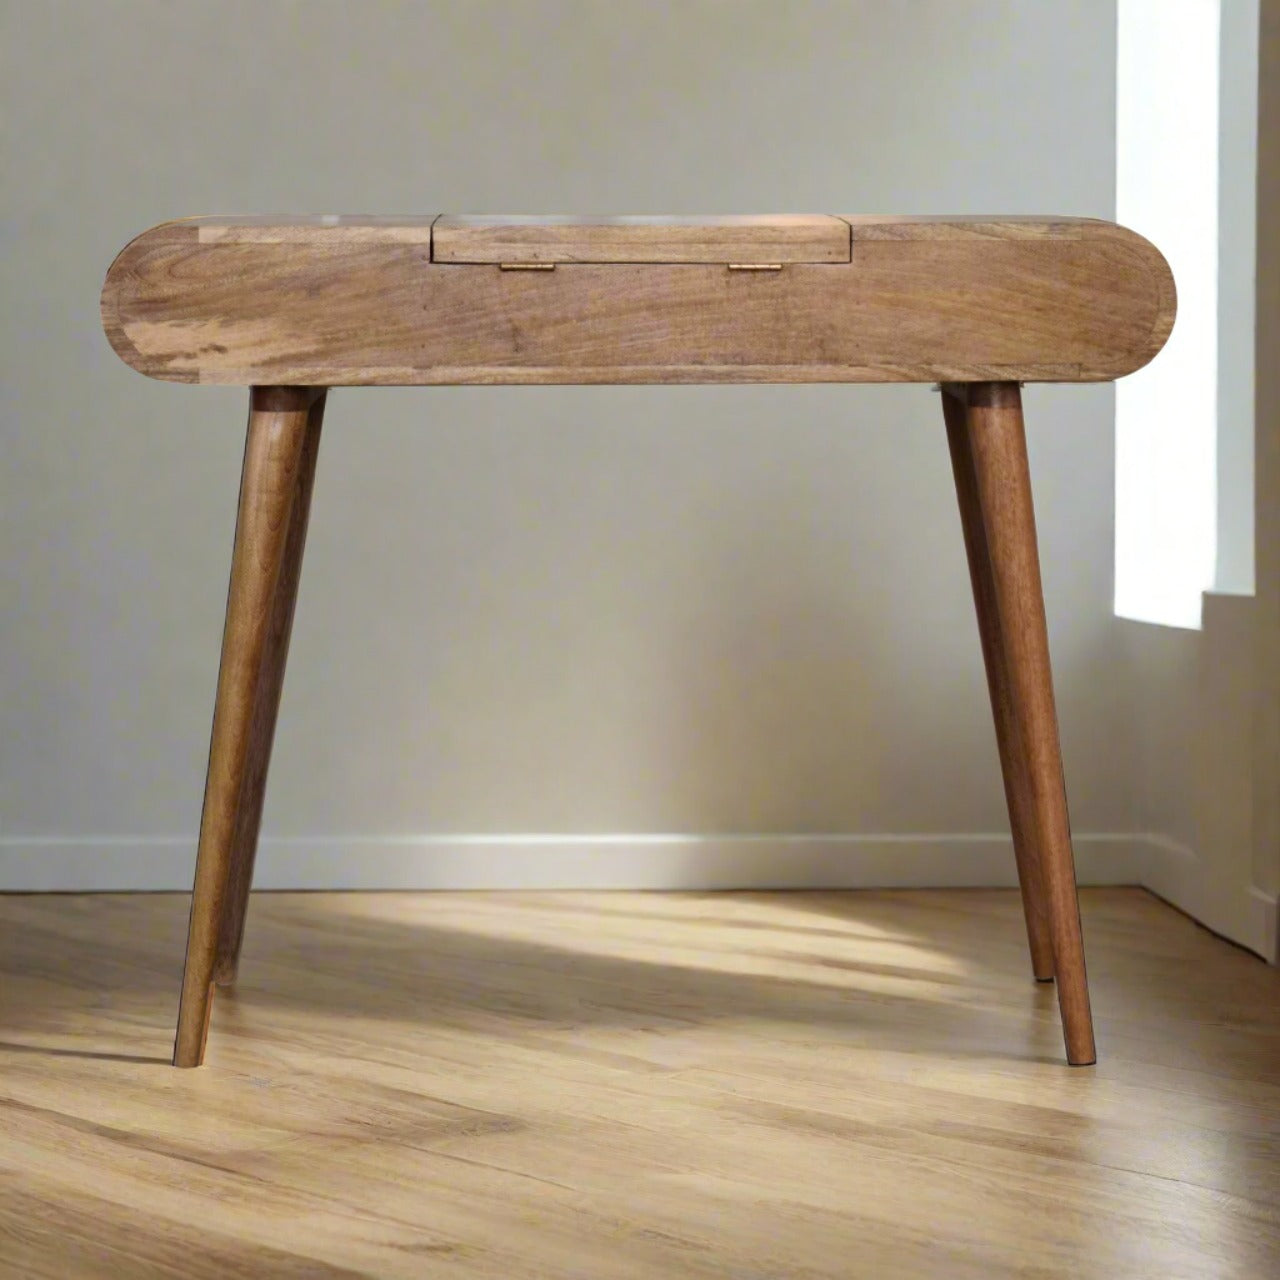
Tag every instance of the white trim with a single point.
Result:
(532, 861)
(1237, 293)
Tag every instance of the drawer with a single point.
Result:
(746, 240)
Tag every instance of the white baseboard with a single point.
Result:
(1265, 911)
(1169, 868)
(1264, 916)
(1246, 914)
(838, 861)
(85, 865)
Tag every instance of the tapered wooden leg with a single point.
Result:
(274, 458)
(997, 446)
(1013, 764)
(266, 708)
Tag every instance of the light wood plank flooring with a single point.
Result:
(753, 1086)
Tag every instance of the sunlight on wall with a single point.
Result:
(1166, 415)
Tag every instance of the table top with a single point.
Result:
(432, 299)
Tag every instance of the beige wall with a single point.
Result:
(693, 610)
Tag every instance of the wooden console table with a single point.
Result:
(291, 306)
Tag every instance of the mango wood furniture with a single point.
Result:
(291, 306)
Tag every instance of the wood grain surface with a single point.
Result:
(361, 301)
(634, 1086)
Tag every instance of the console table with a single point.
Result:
(979, 305)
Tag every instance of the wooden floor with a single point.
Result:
(752, 1086)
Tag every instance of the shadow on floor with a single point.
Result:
(369, 957)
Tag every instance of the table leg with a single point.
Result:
(281, 424)
(266, 709)
(994, 442)
(1013, 764)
